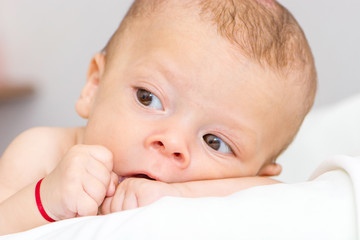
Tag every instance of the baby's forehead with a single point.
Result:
(218, 83)
(232, 20)
(202, 52)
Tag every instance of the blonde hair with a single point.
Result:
(265, 31)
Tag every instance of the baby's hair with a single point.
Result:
(266, 32)
(261, 30)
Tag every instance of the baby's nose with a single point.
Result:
(171, 146)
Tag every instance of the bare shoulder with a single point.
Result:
(48, 141)
(35, 153)
(51, 138)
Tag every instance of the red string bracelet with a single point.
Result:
(39, 204)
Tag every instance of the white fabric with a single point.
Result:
(323, 208)
(329, 131)
(328, 207)
(351, 166)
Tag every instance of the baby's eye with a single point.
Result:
(217, 143)
(148, 99)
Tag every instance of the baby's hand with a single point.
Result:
(79, 184)
(137, 192)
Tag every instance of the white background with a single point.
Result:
(50, 43)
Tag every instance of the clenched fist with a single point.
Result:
(137, 192)
(80, 183)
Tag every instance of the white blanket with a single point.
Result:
(324, 208)
(329, 131)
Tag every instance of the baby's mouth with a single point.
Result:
(139, 175)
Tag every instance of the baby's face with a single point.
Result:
(176, 105)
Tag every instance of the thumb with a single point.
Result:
(114, 182)
(105, 206)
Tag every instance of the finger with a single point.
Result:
(86, 206)
(114, 182)
(102, 154)
(118, 199)
(94, 188)
(105, 206)
(130, 201)
(99, 171)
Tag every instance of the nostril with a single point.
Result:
(177, 156)
(180, 160)
(158, 145)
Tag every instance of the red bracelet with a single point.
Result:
(39, 204)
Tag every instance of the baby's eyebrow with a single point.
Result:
(245, 140)
(159, 66)
(170, 71)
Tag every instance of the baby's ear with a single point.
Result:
(89, 91)
(270, 169)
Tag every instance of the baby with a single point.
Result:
(189, 98)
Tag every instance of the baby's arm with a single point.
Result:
(76, 179)
(24, 162)
(221, 187)
(138, 192)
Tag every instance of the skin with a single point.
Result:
(183, 77)
(200, 86)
